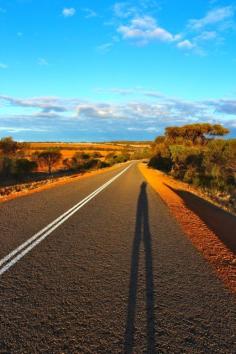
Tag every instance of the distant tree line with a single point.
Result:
(18, 161)
(196, 154)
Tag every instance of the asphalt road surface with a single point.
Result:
(113, 275)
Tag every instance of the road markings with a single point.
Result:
(12, 258)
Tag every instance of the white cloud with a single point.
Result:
(224, 106)
(214, 16)
(68, 12)
(146, 29)
(3, 66)
(186, 44)
(46, 104)
(200, 32)
(138, 115)
(19, 130)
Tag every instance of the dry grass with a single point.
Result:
(203, 238)
(69, 149)
(76, 146)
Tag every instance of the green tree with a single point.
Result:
(220, 164)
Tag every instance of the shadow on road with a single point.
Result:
(142, 234)
(219, 221)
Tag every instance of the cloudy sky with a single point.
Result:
(83, 70)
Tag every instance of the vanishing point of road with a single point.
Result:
(97, 267)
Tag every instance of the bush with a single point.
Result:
(191, 155)
(6, 166)
(24, 167)
(162, 158)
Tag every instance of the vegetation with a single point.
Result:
(30, 161)
(49, 158)
(195, 154)
(12, 159)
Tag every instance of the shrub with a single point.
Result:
(24, 167)
(50, 158)
(191, 155)
(162, 158)
(6, 166)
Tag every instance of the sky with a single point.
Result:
(102, 70)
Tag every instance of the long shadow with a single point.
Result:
(142, 233)
(222, 223)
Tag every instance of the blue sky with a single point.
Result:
(105, 70)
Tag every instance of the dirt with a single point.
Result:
(209, 228)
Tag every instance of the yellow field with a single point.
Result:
(77, 146)
(69, 149)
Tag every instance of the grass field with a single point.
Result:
(69, 149)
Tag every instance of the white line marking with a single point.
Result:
(13, 257)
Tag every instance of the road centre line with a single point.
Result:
(13, 257)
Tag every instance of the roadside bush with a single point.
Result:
(220, 164)
(24, 167)
(90, 164)
(187, 162)
(6, 166)
(191, 154)
(162, 158)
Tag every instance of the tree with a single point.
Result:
(194, 133)
(159, 139)
(8, 146)
(191, 154)
(11, 147)
(50, 157)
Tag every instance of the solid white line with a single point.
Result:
(10, 255)
(8, 261)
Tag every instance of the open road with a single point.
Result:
(97, 267)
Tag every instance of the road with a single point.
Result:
(116, 276)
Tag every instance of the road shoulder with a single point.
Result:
(213, 249)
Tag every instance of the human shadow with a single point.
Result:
(142, 234)
(222, 223)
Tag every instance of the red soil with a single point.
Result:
(210, 229)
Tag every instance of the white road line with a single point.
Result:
(13, 257)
